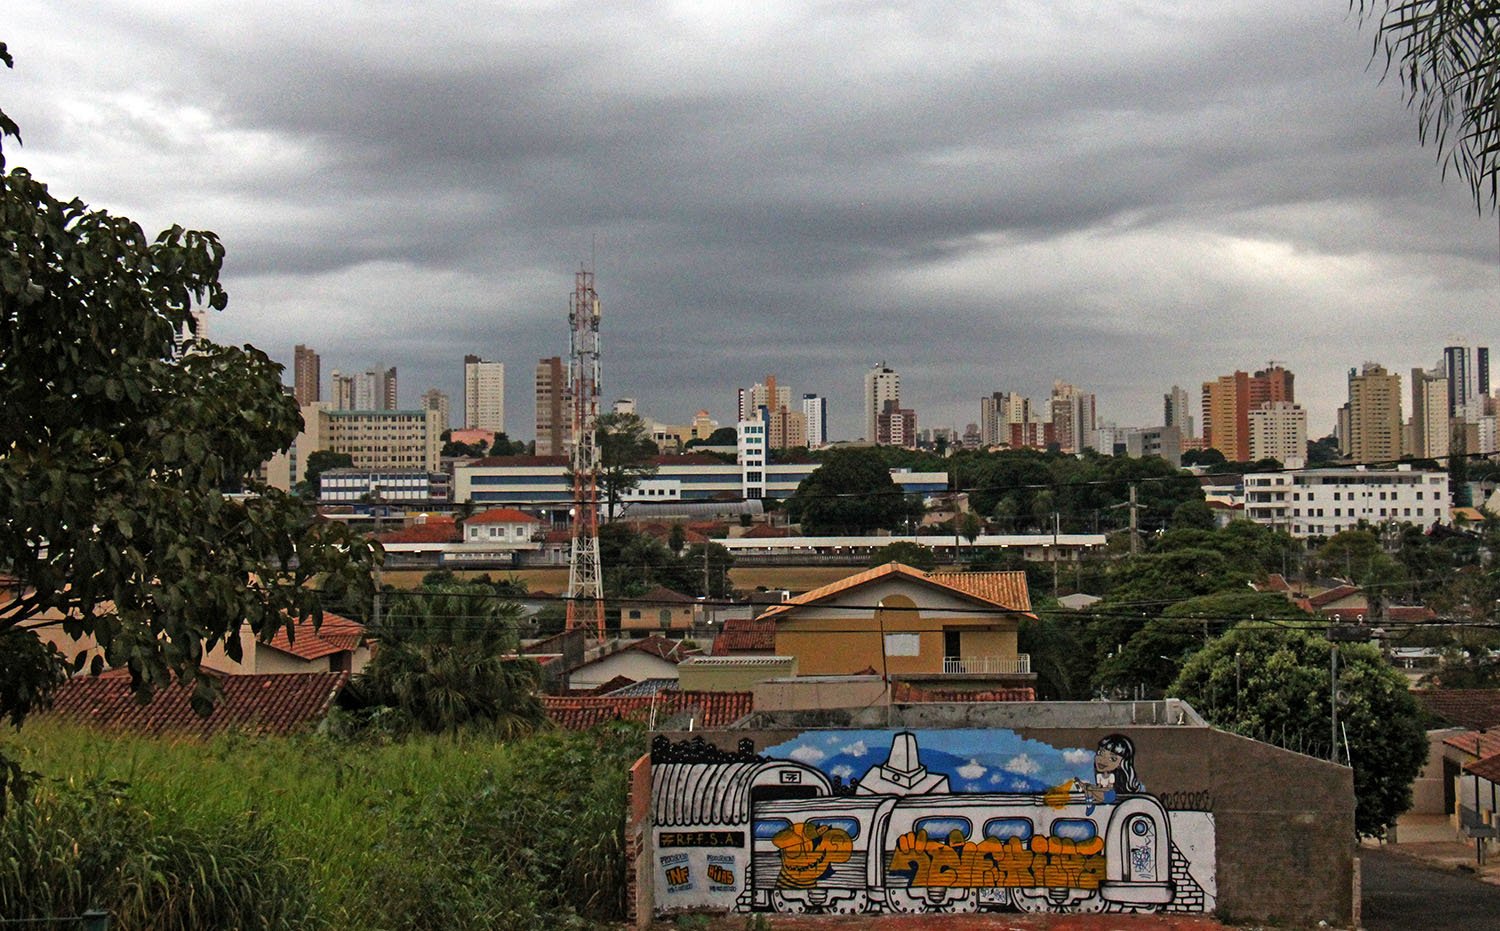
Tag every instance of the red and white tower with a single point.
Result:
(585, 578)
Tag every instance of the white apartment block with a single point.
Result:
(1278, 430)
(484, 394)
(815, 409)
(751, 456)
(1323, 502)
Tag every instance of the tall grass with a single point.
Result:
(314, 833)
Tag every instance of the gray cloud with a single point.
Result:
(986, 196)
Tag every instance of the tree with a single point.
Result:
(1447, 55)
(724, 436)
(1194, 515)
(851, 493)
(1272, 684)
(115, 450)
(320, 461)
(626, 455)
(904, 551)
(444, 663)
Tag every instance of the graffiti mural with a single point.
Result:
(929, 821)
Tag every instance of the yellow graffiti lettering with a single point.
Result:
(992, 863)
(677, 875)
(720, 875)
(1057, 796)
(808, 852)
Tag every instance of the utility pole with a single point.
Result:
(1135, 542)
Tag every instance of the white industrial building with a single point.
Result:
(1323, 502)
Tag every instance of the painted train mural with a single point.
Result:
(931, 821)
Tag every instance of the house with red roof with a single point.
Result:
(653, 657)
(337, 645)
(505, 527)
(257, 704)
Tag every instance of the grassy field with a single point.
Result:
(318, 833)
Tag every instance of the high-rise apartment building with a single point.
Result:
(1468, 373)
(1228, 401)
(435, 400)
(882, 386)
(1374, 419)
(1073, 417)
(554, 419)
(1428, 428)
(307, 375)
(815, 410)
(1278, 430)
(371, 390)
(196, 329)
(1177, 411)
(997, 412)
(484, 394)
(896, 426)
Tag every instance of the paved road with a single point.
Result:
(1403, 894)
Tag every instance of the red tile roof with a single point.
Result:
(655, 645)
(337, 635)
(766, 532)
(260, 704)
(663, 595)
(1001, 588)
(1332, 594)
(982, 590)
(1487, 768)
(710, 709)
(502, 516)
(1472, 708)
(434, 531)
(1481, 744)
(745, 635)
(517, 461)
(1276, 582)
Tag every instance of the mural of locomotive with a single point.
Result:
(947, 821)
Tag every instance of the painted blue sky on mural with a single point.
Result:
(973, 760)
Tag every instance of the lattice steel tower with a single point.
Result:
(585, 578)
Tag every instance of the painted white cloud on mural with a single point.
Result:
(1024, 765)
(974, 770)
(807, 754)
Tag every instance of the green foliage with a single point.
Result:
(443, 664)
(1272, 683)
(851, 493)
(911, 554)
(1193, 515)
(634, 563)
(320, 461)
(627, 455)
(320, 834)
(724, 436)
(1356, 555)
(1447, 54)
(76, 846)
(116, 452)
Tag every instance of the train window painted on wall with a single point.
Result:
(943, 829)
(1075, 829)
(1006, 828)
(849, 826)
(767, 828)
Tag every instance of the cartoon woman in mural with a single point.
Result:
(1114, 770)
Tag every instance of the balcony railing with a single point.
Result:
(987, 665)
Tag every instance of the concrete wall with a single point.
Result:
(1207, 822)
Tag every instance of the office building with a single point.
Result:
(371, 390)
(484, 394)
(997, 412)
(374, 439)
(896, 426)
(1374, 418)
(307, 375)
(1163, 442)
(882, 386)
(554, 427)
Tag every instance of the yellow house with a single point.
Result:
(899, 622)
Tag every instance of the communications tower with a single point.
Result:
(585, 578)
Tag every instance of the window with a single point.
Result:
(903, 644)
(943, 829)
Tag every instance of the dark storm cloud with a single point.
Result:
(986, 196)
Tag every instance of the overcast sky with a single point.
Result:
(986, 196)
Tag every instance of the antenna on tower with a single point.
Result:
(585, 577)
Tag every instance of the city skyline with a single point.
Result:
(1190, 190)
